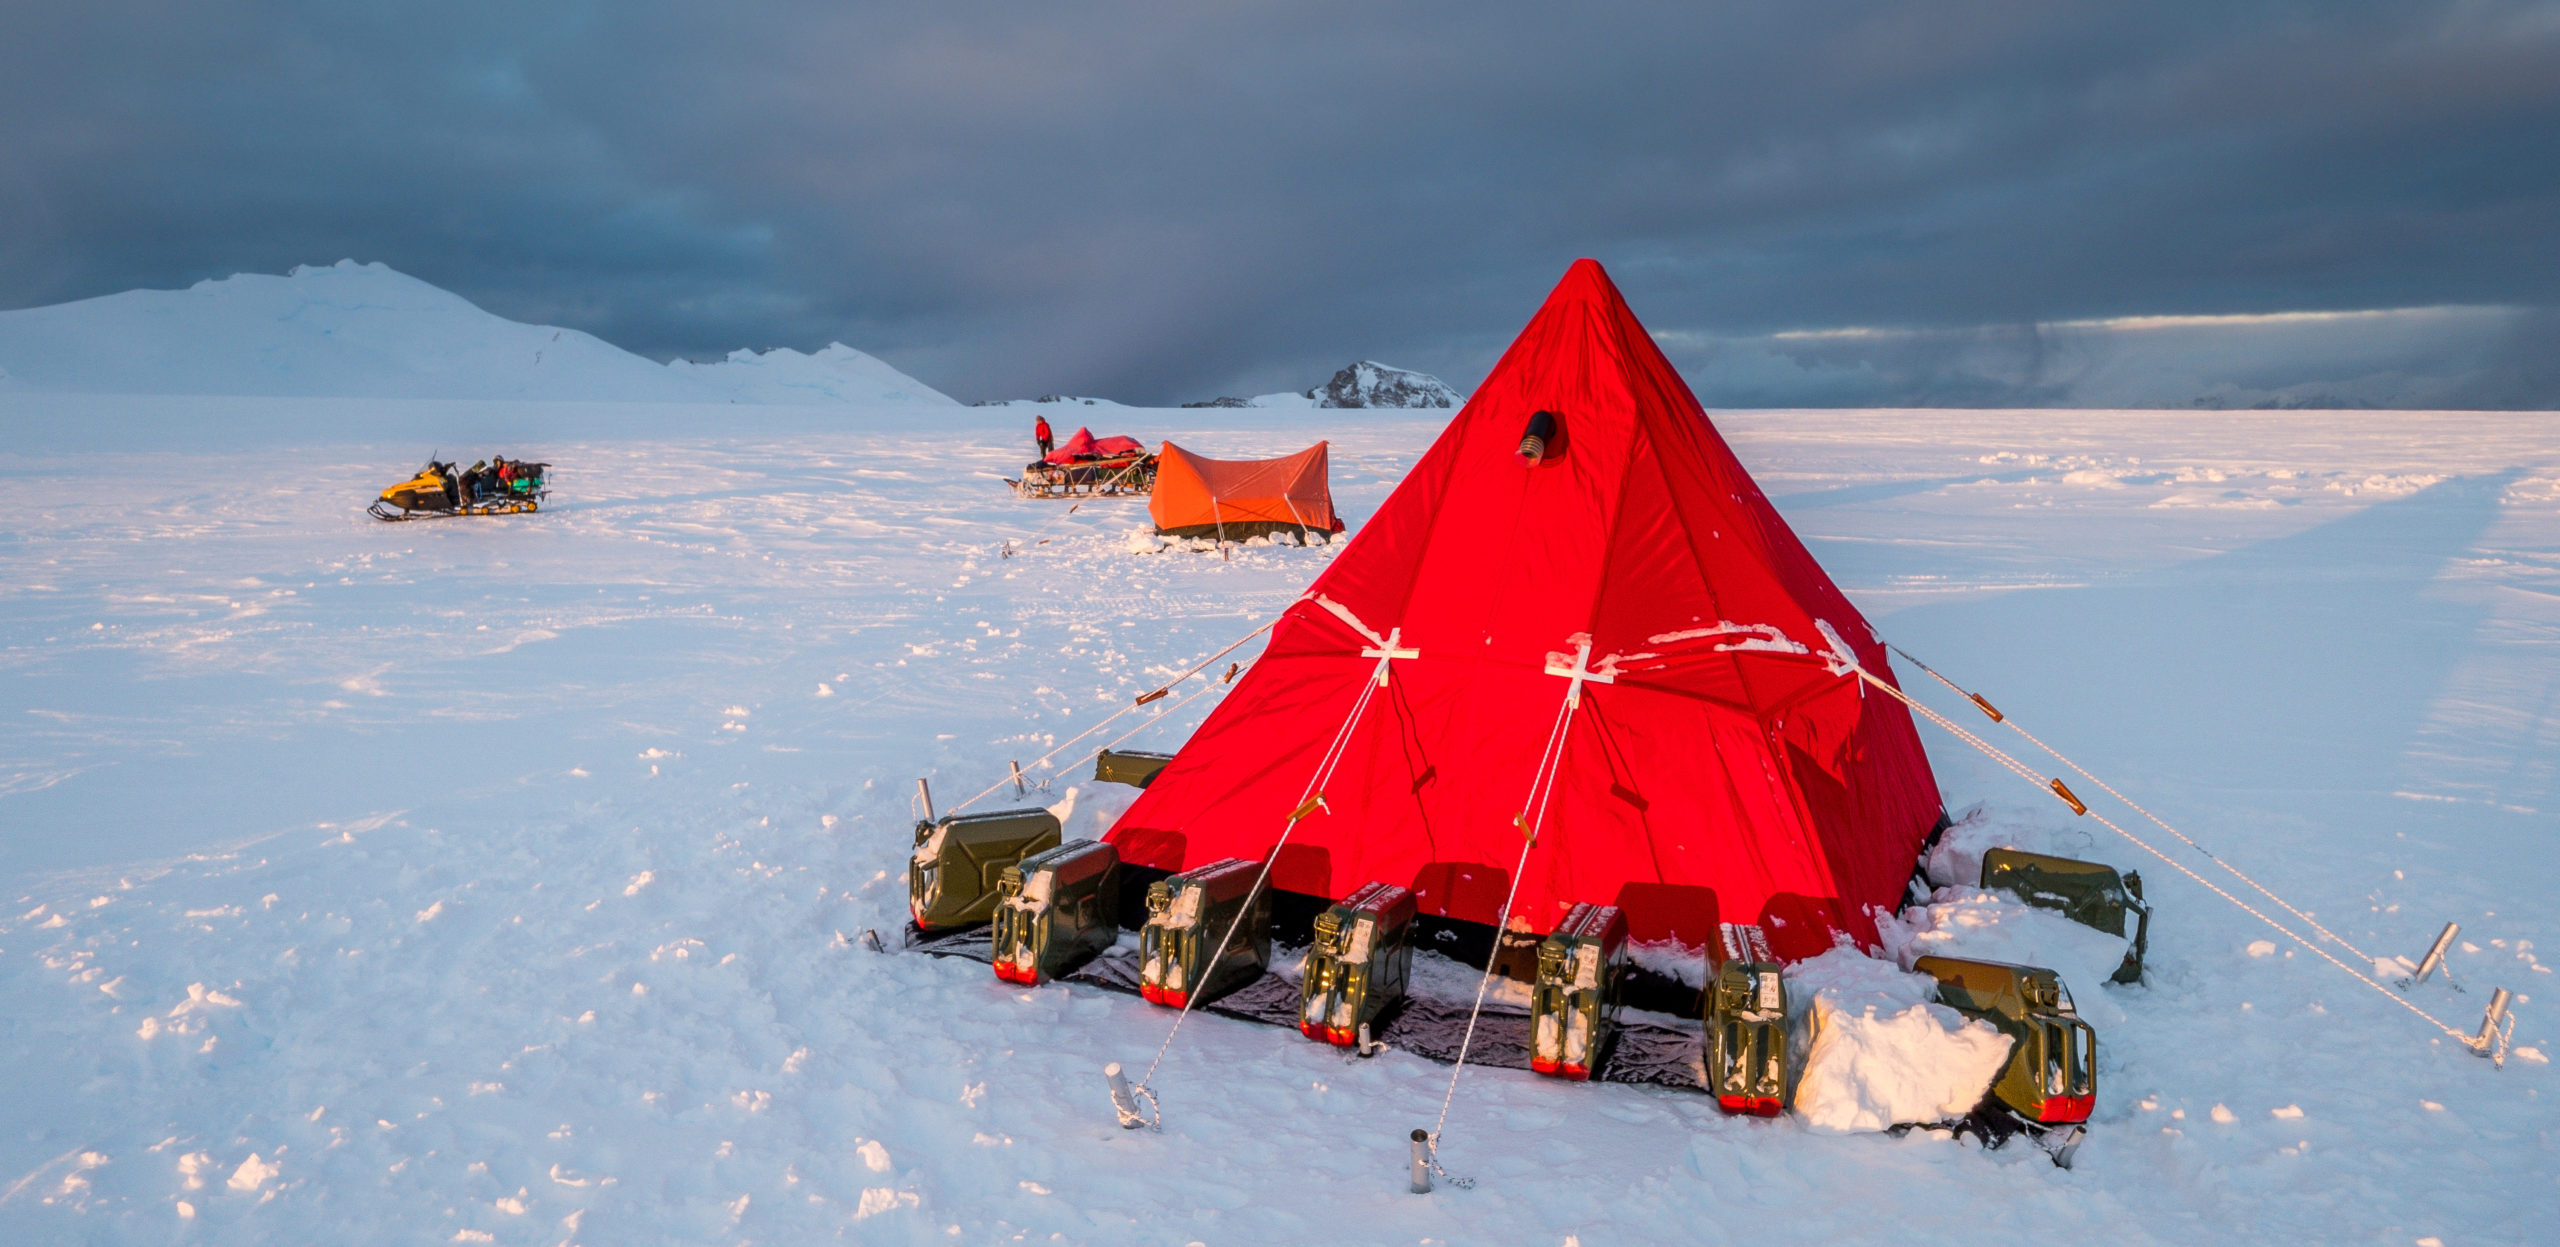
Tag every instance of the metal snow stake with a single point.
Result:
(2435, 958)
(1124, 1099)
(2497, 1030)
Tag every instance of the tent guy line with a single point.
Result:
(1308, 803)
(2479, 1044)
(1541, 788)
(1997, 717)
(1142, 699)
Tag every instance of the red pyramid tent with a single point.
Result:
(1718, 768)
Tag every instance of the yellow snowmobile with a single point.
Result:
(490, 487)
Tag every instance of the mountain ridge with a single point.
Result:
(351, 330)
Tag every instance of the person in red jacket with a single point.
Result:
(1040, 434)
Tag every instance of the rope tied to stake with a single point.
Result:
(1530, 820)
(1309, 802)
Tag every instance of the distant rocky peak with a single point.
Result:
(1372, 384)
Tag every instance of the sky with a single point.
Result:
(1962, 203)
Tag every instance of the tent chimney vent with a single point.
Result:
(1537, 438)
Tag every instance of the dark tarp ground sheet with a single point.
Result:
(1646, 1052)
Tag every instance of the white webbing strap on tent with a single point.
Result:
(2236, 873)
(2027, 773)
(1532, 817)
(1154, 694)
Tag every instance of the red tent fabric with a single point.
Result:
(1085, 445)
(1726, 772)
(1079, 443)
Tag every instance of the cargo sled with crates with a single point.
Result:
(1085, 466)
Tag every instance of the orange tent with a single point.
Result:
(1232, 499)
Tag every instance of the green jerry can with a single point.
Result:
(1358, 964)
(1187, 916)
(1747, 1039)
(2052, 1074)
(2085, 892)
(1056, 911)
(951, 879)
(1573, 1005)
(1135, 767)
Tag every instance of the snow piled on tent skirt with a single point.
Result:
(484, 881)
(1873, 1048)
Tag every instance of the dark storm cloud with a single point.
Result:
(1160, 202)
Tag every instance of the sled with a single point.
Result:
(1122, 476)
(381, 510)
(441, 491)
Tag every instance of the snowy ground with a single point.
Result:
(482, 881)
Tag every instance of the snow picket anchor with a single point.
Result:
(2497, 1030)
(1124, 1101)
(2434, 960)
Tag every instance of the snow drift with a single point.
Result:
(1877, 1050)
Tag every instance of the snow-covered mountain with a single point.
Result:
(1372, 384)
(837, 374)
(1364, 384)
(1063, 400)
(368, 331)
